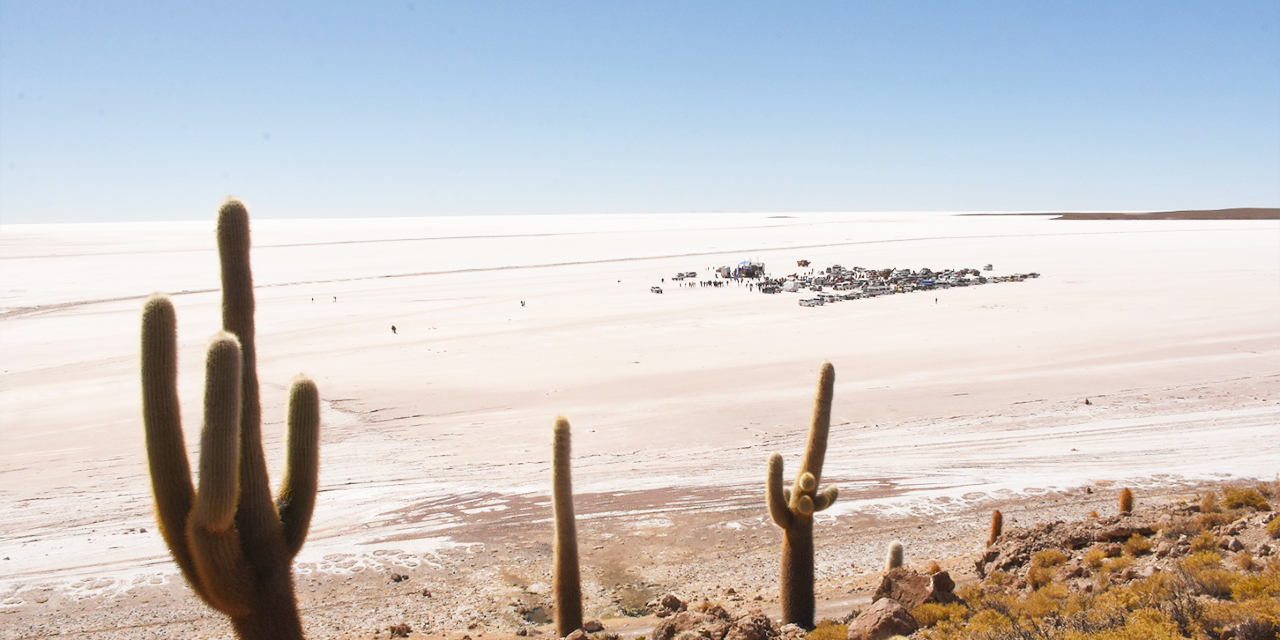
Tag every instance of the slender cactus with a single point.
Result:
(793, 508)
(568, 580)
(1126, 500)
(233, 544)
(997, 527)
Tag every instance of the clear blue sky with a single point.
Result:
(149, 111)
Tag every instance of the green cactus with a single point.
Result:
(233, 544)
(568, 580)
(793, 508)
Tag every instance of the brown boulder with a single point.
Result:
(883, 619)
(668, 605)
(752, 625)
(912, 589)
(700, 623)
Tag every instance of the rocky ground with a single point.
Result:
(496, 582)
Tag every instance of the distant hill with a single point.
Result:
(1255, 213)
(1242, 213)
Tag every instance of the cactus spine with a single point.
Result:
(793, 508)
(233, 544)
(568, 580)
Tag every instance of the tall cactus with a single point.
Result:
(568, 580)
(233, 544)
(792, 508)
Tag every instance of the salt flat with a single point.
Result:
(943, 399)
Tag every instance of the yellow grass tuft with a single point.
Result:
(1244, 498)
(1137, 545)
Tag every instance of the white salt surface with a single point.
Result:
(1171, 327)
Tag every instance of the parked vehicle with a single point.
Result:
(655, 289)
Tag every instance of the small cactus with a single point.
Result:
(568, 580)
(997, 527)
(894, 556)
(233, 544)
(792, 508)
(1126, 500)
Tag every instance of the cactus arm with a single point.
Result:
(775, 494)
(815, 450)
(215, 504)
(211, 534)
(166, 451)
(297, 498)
(257, 518)
(568, 582)
(826, 498)
(237, 279)
(238, 304)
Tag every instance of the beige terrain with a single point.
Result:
(436, 438)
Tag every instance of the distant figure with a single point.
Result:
(522, 303)
(335, 298)
(313, 299)
(393, 328)
(935, 301)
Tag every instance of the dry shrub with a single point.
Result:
(1262, 585)
(829, 630)
(1206, 541)
(1220, 615)
(988, 623)
(1273, 527)
(1093, 515)
(1243, 498)
(998, 578)
(1039, 576)
(1203, 571)
(969, 592)
(1048, 558)
(1148, 624)
(1117, 564)
(933, 567)
(1137, 545)
(1270, 489)
(1209, 503)
(1211, 520)
(1094, 558)
(931, 613)
(1243, 561)
(1180, 526)
(1043, 601)
(1041, 571)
